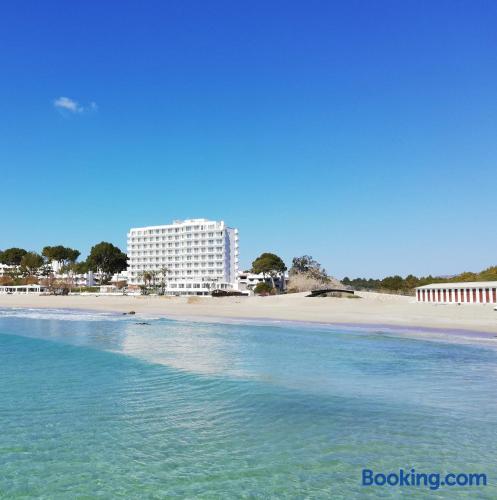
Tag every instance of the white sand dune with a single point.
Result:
(371, 309)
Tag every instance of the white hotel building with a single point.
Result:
(480, 292)
(200, 255)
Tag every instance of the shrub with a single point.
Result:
(303, 282)
(6, 280)
(88, 289)
(263, 289)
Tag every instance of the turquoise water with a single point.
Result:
(96, 405)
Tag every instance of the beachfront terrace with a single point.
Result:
(23, 289)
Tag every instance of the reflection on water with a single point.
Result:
(318, 360)
(224, 410)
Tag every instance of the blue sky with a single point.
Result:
(362, 133)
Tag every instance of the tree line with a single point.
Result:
(409, 283)
(271, 265)
(105, 259)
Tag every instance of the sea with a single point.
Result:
(104, 405)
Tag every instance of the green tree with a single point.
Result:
(269, 264)
(162, 276)
(263, 288)
(12, 256)
(411, 282)
(63, 255)
(303, 264)
(31, 263)
(393, 283)
(308, 266)
(489, 274)
(80, 267)
(147, 277)
(362, 283)
(466, 276)
(106, 259)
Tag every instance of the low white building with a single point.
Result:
(483, 292)
(247, 281)
(120, 277)
(190, 257)
(6, 269)
(23, 289)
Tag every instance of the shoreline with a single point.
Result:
(406, 331)
(473, 338)
(371, 311)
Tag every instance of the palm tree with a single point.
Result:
(146, 276)
(162, 275)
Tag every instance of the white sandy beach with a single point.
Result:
(370, 309)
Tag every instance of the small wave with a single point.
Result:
(60, 314)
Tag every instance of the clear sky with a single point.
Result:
(363, 133)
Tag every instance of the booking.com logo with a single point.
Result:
(431, 480)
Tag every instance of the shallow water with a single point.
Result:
(95, 404)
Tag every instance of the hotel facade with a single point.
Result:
(484, 292)
(192, 257)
